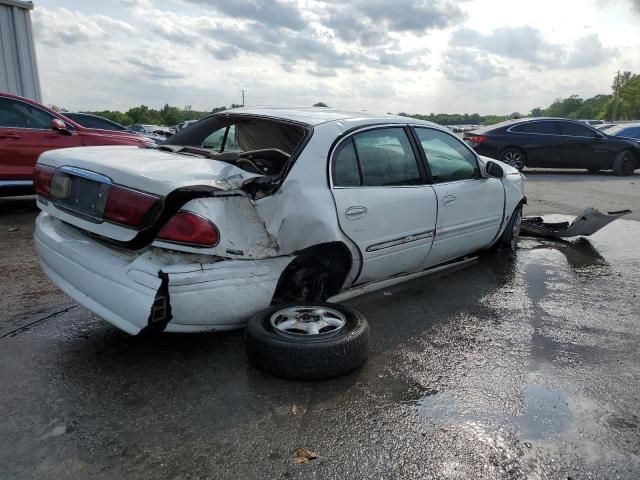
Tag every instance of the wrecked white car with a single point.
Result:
(265, 206)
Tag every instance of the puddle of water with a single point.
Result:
(546, 413)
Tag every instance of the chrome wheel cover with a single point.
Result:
(307, 322)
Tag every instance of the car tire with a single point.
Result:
(514, 157)
(509, 238)
(295, 353)
(624, 164)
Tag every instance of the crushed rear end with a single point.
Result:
(155, 240)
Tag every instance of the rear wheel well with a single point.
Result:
(316, 273)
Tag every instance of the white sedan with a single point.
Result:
(264, 206)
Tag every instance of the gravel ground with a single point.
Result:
(523, 367)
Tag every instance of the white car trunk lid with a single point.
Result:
(93, 172)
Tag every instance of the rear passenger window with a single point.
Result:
(544, 128)
(386, 158)
(345, 166)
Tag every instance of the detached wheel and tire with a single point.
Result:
(514, 157)
(625, 163)
(308, 341)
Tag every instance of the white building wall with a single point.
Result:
(18, 65)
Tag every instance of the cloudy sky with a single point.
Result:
(416, 56)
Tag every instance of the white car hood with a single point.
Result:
(150, 170)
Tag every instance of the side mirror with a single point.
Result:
(493, 170)
(59, 126)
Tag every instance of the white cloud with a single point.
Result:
(406, 55)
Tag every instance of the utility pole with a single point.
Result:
(243, 97)
(616, 85)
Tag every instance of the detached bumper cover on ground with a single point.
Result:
(587, 223)
(121, 286)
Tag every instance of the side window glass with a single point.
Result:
(215, 139)
(449, 160)
(522, 128)
(232, 144)
(35, 117)
(386, 158)
(576, 130)
(345, 166)
(546, 128)
(21, 115)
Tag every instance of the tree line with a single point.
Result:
(622, 104)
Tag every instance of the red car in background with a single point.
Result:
(28, 128)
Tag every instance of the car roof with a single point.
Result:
(516, 121)
(317, 115)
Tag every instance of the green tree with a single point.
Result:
(170, 115)
(321, 104)
(564, 107)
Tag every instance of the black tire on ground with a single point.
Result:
(308, 358)
(509, 238)
(514, 157)
(624, 163)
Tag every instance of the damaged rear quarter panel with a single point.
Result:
(242, 230)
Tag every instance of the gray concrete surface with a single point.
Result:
(523, 367)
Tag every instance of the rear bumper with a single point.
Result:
(16, 187)
(121, 286)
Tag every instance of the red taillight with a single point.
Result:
(42, 176)
(129, 207)
(190, 229)
(476, 139)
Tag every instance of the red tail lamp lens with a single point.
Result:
(477, 139)
(128, 207)
(42, 176)
(190, 229)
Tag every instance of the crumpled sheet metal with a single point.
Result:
(585, 224)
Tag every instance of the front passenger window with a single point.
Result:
(17, 114)
(449, 160)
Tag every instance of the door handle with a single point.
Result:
(12, 136)
(448, 200)
(355, 212)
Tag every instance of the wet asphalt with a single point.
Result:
(523, 366)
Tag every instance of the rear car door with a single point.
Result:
(25, 132)
(470, 208)
(383, 202)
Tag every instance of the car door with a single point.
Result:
(470, 207)
(543, 142)
(383, 202)
(25, 132)
(583, 147)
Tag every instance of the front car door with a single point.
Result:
(25, 132)
(470, 207)
(583, 147)
(383, 202)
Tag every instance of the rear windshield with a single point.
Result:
(258, 145)
(228, 134)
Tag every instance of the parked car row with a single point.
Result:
(557, 143)
(28, 128)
